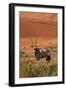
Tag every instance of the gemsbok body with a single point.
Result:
(41, 52)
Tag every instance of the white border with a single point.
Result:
(40, 79)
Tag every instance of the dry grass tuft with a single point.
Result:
(29, 67)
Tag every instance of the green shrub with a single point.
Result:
(31, 69)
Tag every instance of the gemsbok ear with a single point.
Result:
(31, 46)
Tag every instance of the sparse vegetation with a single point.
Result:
(29, 67)
(32, 69)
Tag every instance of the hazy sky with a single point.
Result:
(38, 24)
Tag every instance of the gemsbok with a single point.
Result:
(40, 52)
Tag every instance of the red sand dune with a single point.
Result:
(41, 25)
(41, 42)
(38, 24)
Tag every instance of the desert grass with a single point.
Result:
(30, 67)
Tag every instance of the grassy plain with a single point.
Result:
(30, 67)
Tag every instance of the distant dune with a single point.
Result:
(25, 43)
(41, 25)
(38, 24)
